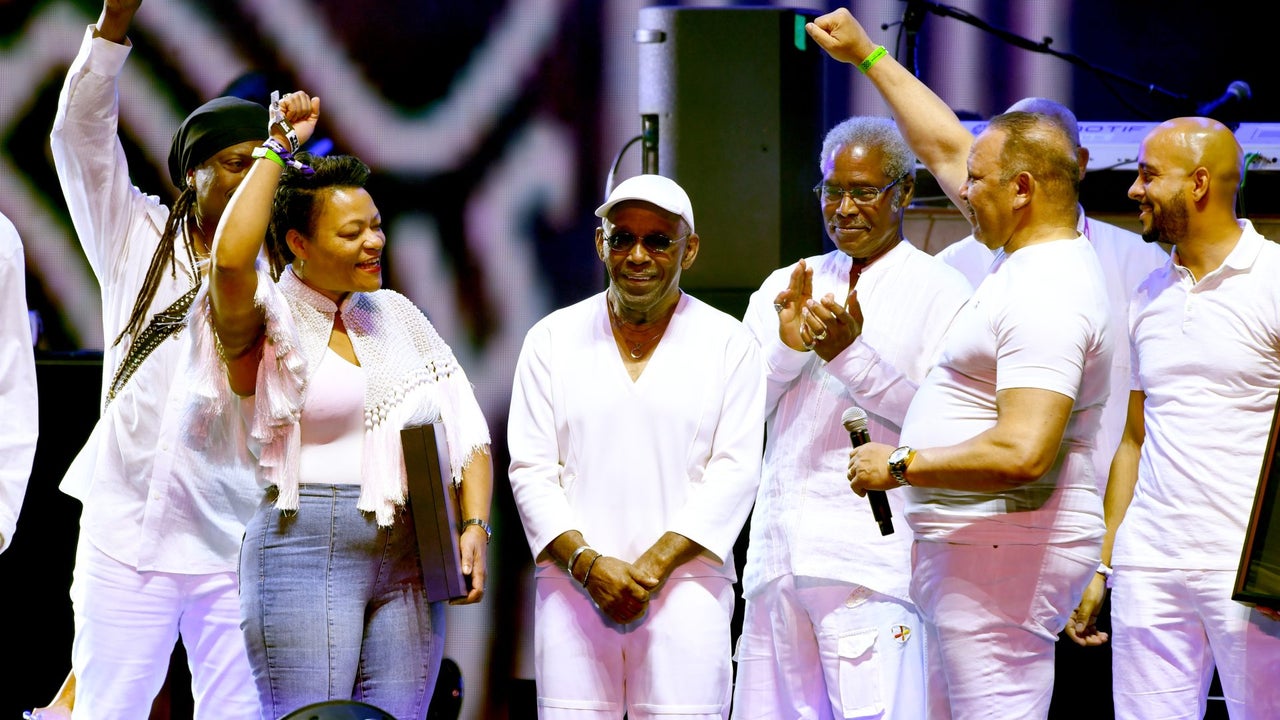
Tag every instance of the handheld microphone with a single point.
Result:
(1238, 92)
(855, 421)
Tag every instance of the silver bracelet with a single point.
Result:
(479, 522)
(574, 557)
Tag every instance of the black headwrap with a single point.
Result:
(212, 127)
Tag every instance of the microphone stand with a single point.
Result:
(912, 20)
(923, 6)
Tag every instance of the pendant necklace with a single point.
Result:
(638, 348)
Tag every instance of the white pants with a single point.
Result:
(820, 649)
(1168, 630)
(672, 663)
(994, 614)
(126, 625)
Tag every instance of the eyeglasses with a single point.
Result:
(623, 241)
(859, 195)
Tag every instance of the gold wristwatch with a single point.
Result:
(898, 461)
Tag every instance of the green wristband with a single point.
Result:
(872, 59)
(266, 152)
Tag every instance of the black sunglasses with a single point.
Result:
(623, 241)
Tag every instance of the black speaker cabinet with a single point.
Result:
(731, 108)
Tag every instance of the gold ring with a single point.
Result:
(821, 337)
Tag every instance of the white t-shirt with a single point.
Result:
(1039, 321)
(1126, 261)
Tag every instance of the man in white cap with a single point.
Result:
(636, 423)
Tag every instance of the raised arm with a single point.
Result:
(92, 168)
(117, 15)
(237, 243)
(929, 125)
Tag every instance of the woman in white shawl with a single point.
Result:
(330, 368)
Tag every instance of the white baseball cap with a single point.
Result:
(653, 189)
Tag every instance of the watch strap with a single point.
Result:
(488, 531)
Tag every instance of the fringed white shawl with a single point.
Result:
(412, 377)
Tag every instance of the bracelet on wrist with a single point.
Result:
(573, 559)
(872, 59)
(266, 152)
(1106, 572)
(480, 523)
(275, 150)
(587, 576)
(276, 119)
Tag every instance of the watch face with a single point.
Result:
(898, 455)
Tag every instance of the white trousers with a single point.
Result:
(1168, 630)
(672, 663)
(127, 623)
(993, 615)
(819, 649)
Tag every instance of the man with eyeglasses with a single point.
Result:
(829, 629)
(996, 448)
(636, 421)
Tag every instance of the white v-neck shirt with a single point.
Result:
(624, 461)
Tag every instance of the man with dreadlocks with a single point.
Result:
(162, 514)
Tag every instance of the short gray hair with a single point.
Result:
(874, 131)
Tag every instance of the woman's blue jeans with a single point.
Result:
(333, 607)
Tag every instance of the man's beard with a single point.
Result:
(1171, 225)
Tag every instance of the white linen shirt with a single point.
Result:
(19, 409)
(1126, 260)
(807, 522)
(625, 462)
(150, 501)
(1207, 355)
(1039, 321)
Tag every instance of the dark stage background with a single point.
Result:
(491, 126)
